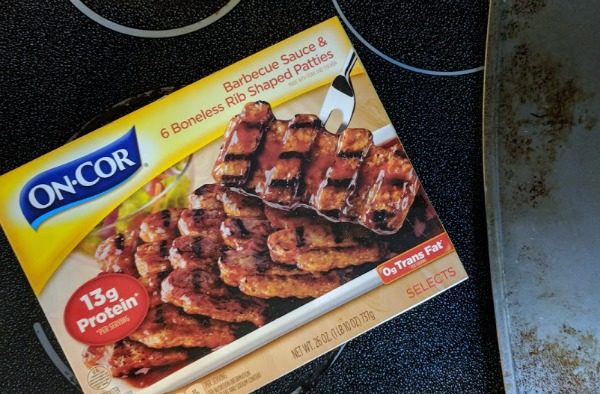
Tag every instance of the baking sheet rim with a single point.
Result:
(492, 195)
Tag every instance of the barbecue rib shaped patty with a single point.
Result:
(264, 252)
(166, 326)
(257, 276)
(199, 221)
(286, 244)
(387, 189)
(206, 197)
(297, 286)
(116, 253)
(245, 234)
(152, 262)
(239, 206)
(235, 265)
(192, 251)
(126, 357)
(160, 225)
(299, 217)
(200, 292)
(152, 257)
(344, 177)
(322, 260)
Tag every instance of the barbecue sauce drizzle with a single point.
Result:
(298, 163)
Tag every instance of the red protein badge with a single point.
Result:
(106, 309)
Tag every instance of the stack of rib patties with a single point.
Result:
(295, 211)
(282, 254)
(175, 255)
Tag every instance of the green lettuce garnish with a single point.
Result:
(175, 197)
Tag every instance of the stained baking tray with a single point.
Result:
(542, 166)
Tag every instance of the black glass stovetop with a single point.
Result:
(60, 69)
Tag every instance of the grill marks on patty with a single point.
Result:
(245, 234)
(198, 246)
(235, 265)
(160, 225)
(152, 257)
(119, 241)
(116, 253)
(125, 357)
(265, 256)
(164, 249)
(159, 317)
(152, 262)
(191, 251)
(203, 293)
(242, 138)
(284, 180)
(199, 221)
(208, 268)
(323, 247)
(167, 326)
(341, 176)
(386, 189)
(297, 163)
(258, 276)
(206, 197)
(298, 286)
(237, 205)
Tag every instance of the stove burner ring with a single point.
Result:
(87, 11)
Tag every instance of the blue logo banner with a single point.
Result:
(80, 180)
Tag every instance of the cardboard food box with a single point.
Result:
(224, 235)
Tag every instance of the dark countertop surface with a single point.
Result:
(60, 69)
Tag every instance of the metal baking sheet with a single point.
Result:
(542, 170)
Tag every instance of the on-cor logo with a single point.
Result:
(80, 180)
